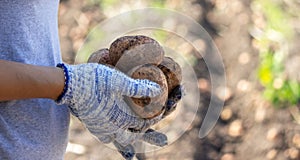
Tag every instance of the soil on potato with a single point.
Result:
(249, 128)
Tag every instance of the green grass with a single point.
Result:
(276, 35)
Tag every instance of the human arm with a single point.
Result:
(22, 81)
(110, 121)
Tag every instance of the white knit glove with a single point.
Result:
(94, 94)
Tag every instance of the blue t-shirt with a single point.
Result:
(34, 128)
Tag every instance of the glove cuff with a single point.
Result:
(66, 85)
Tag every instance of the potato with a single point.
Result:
(101, 56)
(130, 51)
(149, 107)
(172, 71)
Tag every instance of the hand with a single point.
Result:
(95, 93)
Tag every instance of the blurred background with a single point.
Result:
(259, 43)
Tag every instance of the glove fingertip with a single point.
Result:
(164, 141)
(127, 152)
(144, 88)
(156, 138)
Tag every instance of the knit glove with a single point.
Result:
(94, 94)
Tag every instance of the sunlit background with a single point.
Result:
(259, 43)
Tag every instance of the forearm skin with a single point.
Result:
(23, 81)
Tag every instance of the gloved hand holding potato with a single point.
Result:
(124, 90)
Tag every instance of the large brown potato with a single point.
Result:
(146, 107)
(130, 51)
